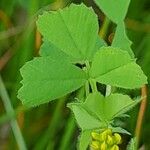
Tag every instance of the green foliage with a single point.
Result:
(115, 67)
(45, 79)
(84, 139)
(74, 30)
(120, 130)
(98, 111)
(114, 10)
(48, 49)
(121, 40)
(132, 145)
(71, 36)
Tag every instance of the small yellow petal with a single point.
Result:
(109, 140)
(117, 138)
(103, 136)
(95, 145)
(108, 131)
(95, 136)
(115, 147)
(103, 146)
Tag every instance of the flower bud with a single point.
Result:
(103, 136)
(115, 147)
(103, 146)
(117, 138)
(95, 136)
(109, 140)
(108, 131)
(95, 145)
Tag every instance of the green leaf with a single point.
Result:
(98, 110)
(74, 30)
(120, 104)
(84, 118)
(115, 10)
(120, 130)
(115, 67)
(48, 49)
(132, 145)
(121, 40)
(84, 139)
(45, 79)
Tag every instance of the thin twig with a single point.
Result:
(141, 113)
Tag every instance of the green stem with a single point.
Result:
(93, 85)
(13, 122)
(87, 89)
(108, 90)
(69, 130)
(50, 132)
(5, 118)
(104, 28)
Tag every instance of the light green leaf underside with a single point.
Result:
(84, 139)
(121, 40)
(115, 10)
(45, 79)
(74, 30)
(98, 110)
(115, 67)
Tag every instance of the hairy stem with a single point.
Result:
(13, 122)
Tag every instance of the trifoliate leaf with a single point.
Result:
(121, 40)
(97, 111)
(45, 79)
(115, 67)
(74, 30)
(114, 10)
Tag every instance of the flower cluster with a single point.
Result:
(105, 140)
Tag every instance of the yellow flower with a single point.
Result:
(103, 146)
(109, 140)
(95, 145)
(106, 140)
(117, 138)
(115, 147)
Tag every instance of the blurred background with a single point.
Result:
(51, 126)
